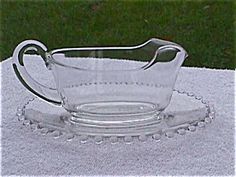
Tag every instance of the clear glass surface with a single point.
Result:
(186, 112)
(112, 86)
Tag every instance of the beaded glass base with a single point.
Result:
(185, 112)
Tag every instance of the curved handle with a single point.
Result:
(44, 92)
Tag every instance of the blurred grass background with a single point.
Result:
(206, 29)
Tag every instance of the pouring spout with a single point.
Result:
(168, 54)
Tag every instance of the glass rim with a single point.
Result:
(165, 43)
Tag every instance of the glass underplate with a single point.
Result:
(185, 112)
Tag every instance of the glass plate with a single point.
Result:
(185, 112)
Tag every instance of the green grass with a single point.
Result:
(204, 28)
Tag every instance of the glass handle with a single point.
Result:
(44, 92)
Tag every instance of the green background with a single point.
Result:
(206, 29)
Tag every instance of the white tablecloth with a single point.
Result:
(209, 151)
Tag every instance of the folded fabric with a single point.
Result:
(209, 151)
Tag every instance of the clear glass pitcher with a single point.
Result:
(106, 85)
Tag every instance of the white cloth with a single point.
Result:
(208, 151)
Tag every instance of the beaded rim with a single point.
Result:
(36, 127)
